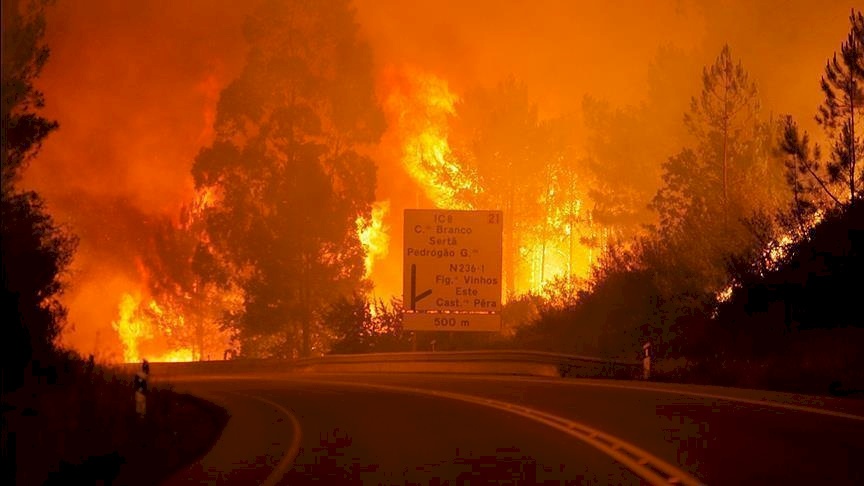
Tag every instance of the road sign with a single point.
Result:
(452, 265)
(453, 321)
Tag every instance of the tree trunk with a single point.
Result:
(852, 143)
(510, 249)
(725, 172)
(306, 317)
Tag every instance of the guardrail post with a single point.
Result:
(646, 361)
(141, 389)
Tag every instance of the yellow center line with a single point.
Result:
(650, 468)
(294, 449)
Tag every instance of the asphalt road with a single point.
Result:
(428, 429)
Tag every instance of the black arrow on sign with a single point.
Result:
(414, 297)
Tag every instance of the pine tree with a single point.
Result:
(840, 116)
(723, 111)
(843, 86)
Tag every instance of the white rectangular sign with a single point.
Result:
(452, 263)
(440, 321)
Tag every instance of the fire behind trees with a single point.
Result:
(65, 420)
(751, 275)
(288, 178)
(271, 240)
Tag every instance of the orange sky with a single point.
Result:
(134, 87)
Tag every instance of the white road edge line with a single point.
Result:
(673, 391)
(588, 435)
(291, 454)
(661, 389)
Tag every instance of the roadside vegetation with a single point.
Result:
(76, 424)
(66, 420)
(751, 273)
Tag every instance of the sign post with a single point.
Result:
(452, 270)
(141, 389)
(646, 361)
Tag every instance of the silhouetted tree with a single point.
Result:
(24, 56)
(350, 321)
(843, 86)
(710, 190)
(810, 192)
(724, 109)
(192, 290)
(623, 155)
(713, 201)
(288, 179)
(35, 251)
(361, 325)
(723, 121)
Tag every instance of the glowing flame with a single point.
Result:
(420, 104)
(374, 235)
(175, 356)
(206, 197)
(420, 107)
(553, 249)
(136, 331)
(129, 329)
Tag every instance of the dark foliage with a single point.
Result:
(818, 286)
(82, 429)
(363, 326)
(35, 252)
(288, 173)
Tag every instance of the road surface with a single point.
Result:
(428, 429)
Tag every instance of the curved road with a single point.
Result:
(427, 429)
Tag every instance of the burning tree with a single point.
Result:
(504, 145)
(192, 292)
(288, 178)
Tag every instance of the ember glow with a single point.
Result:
(138, 105)
(139, 334)
(374, 235)
(418, 106)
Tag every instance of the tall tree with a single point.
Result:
(843, 85)
(497, 135)
(840, 116)
(712, 191)
(732, 170)
(724, 109)
(24, 55)
(810, 191)
(287, 173)
(35, 251)
(191, 289)
(622, 159)
(565, 219)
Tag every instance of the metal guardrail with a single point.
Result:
(492, 355)
(491, 361)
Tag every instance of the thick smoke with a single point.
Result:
(134, 87)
